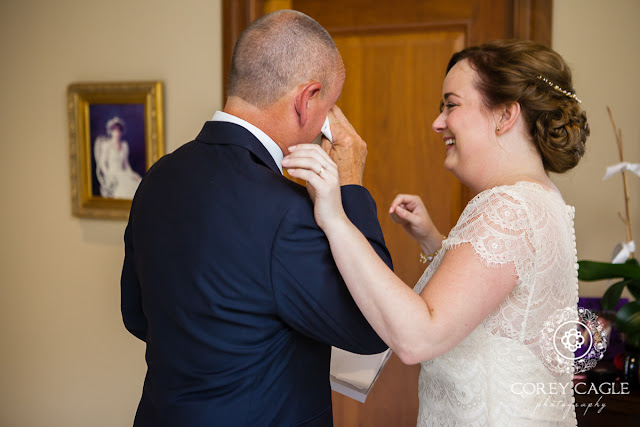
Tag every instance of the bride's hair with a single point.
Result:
(540, 81)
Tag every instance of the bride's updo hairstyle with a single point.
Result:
(539, 80)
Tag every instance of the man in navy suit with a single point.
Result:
(226, 277)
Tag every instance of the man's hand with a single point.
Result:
(348, 150)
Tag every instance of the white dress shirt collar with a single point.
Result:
(269, 144)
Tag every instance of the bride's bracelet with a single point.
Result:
(428, 258)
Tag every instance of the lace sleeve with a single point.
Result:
(498, 226)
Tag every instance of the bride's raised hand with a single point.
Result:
(409, 211)
(312, 164)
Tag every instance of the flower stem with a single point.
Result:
(627, 219)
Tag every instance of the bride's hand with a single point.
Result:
(409, 211)
(312, 164)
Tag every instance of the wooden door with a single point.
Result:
(395, 54)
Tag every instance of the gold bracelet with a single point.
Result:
(428, 258)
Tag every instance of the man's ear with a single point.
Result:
(507, 117)
(306, 93)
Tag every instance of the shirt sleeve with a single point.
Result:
(130, 292)
(310, 294)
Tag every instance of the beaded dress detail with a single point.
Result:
(481, 382)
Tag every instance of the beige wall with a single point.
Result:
(65, 358)
(600, 40)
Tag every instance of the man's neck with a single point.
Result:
(271, 120)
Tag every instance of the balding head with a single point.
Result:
(279, 51)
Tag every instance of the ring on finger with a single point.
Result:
(322, 168)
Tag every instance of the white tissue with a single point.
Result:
(326, 130)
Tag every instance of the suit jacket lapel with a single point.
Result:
(225, 133)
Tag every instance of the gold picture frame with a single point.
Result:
(115, 135)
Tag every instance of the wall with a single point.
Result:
(600, 42)
(65, 358)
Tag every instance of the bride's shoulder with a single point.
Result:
(101, 139)
(504, 207)
(524, 206)
(525, 194)
(499, 197)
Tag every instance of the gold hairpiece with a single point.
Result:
(559, 89)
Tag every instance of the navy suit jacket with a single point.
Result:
(231, 284)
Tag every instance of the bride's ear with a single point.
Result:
(506, 117)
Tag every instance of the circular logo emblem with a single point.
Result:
(573, 340)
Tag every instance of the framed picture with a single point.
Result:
(115, 136)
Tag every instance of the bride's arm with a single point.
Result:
(461, 293)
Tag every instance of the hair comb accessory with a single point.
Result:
(113, 122)
(559, 89)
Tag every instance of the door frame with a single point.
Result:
(531, 21)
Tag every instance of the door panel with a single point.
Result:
(395, 54)
(391, 95)
(394, 118)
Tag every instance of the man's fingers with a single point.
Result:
(337, 117)
(337, 112)
(326, 145)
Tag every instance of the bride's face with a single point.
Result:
(115, 132)
(467, 128)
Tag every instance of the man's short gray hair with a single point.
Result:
(279, 51)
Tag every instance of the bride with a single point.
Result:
(509, 115)
(116, 177)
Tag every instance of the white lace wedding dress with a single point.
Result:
(484, 380)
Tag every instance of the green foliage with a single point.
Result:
(628, 321)
(612, 295)
(592, 270)
(628, 316)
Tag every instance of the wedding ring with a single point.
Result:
(322, 168)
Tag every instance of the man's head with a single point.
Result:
(286, 74)
(278, 52)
